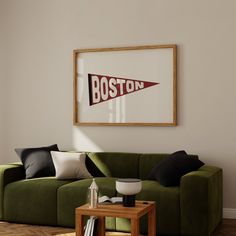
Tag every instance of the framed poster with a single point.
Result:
(125, 86)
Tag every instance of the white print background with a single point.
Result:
(150, 105)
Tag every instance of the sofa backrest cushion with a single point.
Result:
(123, 165)
(147, 161)
(113, 164)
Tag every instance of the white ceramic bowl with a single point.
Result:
(128, 186)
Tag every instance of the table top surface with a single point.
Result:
(118, 210)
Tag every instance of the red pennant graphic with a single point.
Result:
(103, 88)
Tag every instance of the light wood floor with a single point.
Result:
(10, 229)
(227, 228)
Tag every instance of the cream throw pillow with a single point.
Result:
(70, 165)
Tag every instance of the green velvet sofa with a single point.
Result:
(193, 208)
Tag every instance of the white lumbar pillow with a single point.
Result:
(70, 165)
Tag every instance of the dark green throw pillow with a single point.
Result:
(170, 170)
(37, 161)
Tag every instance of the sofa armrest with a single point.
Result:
(9, 173)
(201, 201)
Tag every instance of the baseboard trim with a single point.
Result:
(229, 213)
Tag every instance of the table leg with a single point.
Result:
(101, 226)
(152, 222)
(79, 225)
(134, 227)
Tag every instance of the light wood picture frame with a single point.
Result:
(125, 86)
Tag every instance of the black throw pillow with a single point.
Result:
(170, 170)
(37, 161)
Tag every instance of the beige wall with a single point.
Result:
(2, 83)
(42, 35)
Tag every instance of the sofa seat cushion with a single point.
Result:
(73, 195)
(167, 208)
(32, 201)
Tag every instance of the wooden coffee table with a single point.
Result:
(118, 210)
